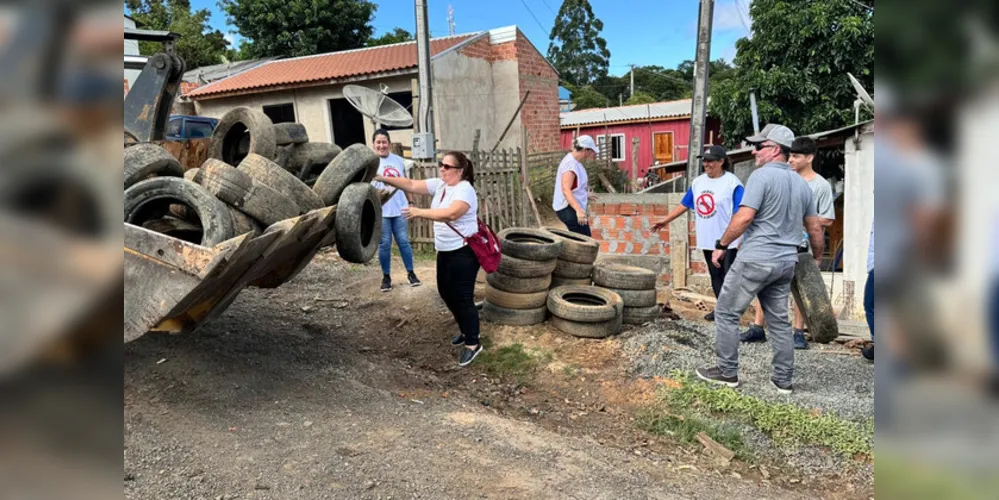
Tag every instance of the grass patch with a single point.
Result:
(686, 427)
(900, 477)
(786, 424)
(512, 361)
(571, 371)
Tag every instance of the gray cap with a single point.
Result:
(778, 134)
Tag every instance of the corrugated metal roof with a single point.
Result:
(656, 111)
(317, 68)
(215, 72)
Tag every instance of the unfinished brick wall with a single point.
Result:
(187, 87)
(540, 115)
(625, 228)
(480, 49)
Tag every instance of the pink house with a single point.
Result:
(663, 131)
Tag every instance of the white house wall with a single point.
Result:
(858, 216)
(131, 49)
(311, 106)
(464, 101)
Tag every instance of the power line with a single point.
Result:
(549, 7)
(739, 7)
(531, 12)
(863, 5)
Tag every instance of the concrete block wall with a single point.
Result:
(623, 226)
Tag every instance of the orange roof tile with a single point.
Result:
(308, 69)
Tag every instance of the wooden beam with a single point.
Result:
(679, 244)
(525, 176)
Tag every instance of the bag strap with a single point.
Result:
(456, 231)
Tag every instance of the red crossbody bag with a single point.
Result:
(484, 243)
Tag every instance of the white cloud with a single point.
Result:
(733, 15)
(233, 39)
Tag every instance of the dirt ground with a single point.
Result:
(327, 389)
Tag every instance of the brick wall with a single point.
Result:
(540, 115)
(481, 49)
(186, 87)
(623, 226)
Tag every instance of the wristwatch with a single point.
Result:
(719, 246)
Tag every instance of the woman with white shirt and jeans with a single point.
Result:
(454, 211)
(393, 223)
(572, 186)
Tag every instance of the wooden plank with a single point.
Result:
(723, 454)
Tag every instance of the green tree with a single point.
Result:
(577, 50)
(199, 44)
(587, 98)
(641, 98)
(300, 28)
(397, 35)
(797, 62)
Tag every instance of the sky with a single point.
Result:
(641, 32)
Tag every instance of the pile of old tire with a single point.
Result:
(517, 294)
(636, 287)
(586, 311)
(575, 262)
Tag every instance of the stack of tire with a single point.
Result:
(517, 294)
(586, 311)
(241, 189)
(575, 262)
(636, 287)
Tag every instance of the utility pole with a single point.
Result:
(620, 100)
(424, 142)
(702, 70)
(450, 20)
(632, 80)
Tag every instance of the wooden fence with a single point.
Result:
(503, 202)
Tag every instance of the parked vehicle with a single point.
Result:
(184, 127)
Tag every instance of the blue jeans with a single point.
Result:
(568, 217)
(869, 302)
(399, 227)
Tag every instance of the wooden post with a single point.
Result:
(634, 164)
(525, 178)
(679, 244)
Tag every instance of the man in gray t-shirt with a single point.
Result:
(776, 203)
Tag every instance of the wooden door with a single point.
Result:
(663, 147)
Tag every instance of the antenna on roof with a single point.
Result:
(378, 107)
(450, 20)
(863, 97)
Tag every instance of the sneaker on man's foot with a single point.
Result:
(468, 355)
(459, 340)
(710, 316)
(714, 376)
(756, 333)
(785, 389)
(868, 353)
(413, 280)
(386, 283)
(800, 343)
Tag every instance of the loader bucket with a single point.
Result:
(175, 286)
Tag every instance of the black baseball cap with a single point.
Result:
(714, 153)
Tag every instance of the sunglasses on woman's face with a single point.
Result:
(445, 166)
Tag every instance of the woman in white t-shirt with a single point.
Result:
(714, 197)
(572, 186)
(393, 223)
(454, 211)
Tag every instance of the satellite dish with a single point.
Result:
(378, 107)
(861, 91)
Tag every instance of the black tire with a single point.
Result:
(512, 284)
(576, 247)
(513, 317)
(240, 132)
(225, 182)
(559, 281)
(266, 172)
(617, 276)
(243, 224)
(358, 223)
(637, 298)
(194, 175)
(356, 164)
(174, 227)
(600, 330)
(530, 244)
(267, 206)
(518, 301)
(813, 300)
(520, 268)
(641, 315)
(290, 133)
(584, 304)
(301, 159)
(572, 270)
(149, 160)
(151, 199)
